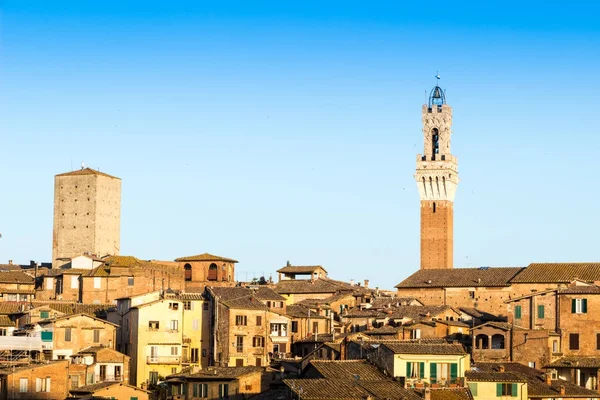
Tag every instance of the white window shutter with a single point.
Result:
(47, 384)
(38, 384)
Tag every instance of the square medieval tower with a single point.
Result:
(437, 179)
(87, 215)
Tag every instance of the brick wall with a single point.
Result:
(437, 225)
(56, 371)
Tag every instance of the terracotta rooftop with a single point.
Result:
(583, 289)
(479, 314)
(461, 277)
(95, 387)
(326, 389)
(6, 322)
(300, 269)
(87, 171)
(238, 298)
(347, 369)
(266, 293)
(558, 273)
(449, 394)
(536, 382)
(218, 373)
(205, 257)
(575, 362)
(493, 376)
(425, 348)
(301, 311)
(15, 277)
(321, 285)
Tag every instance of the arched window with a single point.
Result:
(188, 272)
(212, 272)
(435, 141)
(481, 341)
(497, 341)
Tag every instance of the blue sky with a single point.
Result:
(269, 131)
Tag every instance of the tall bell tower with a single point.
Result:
(437, 178)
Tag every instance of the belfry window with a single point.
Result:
(435, 141)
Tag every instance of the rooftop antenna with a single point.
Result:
(82, 165)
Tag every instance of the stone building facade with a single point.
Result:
(437, 179)
(87, 215)
(206, 269)
(35, 381)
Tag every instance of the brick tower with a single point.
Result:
(437, 178)
(87, 215)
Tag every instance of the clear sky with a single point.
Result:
(275, 131)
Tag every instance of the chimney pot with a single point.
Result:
(562, 390)
(501, 368)
(351, 282)
(367, 283)
(548, 379)
(289, 264)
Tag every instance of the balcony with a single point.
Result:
(163, 360)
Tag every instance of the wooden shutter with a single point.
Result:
(433, 372)
(540, 311)
(453, 371)
(584, 306)
(573, 306)
(498, 390)
(408, 369)
(574, 341)
(514, 390)
(517, 311)
(422, 370)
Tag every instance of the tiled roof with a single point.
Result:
(73, 308)
(321, 285)
(5, 321)
(576, 362)
(454, 323)
(116, 356)
(418, 312)
(190, 296)
(266, 293)
(450, 394)
(384, 330)
(326, 389)
(384, 302)
(493, 377)
(479, 314)
(347, 369)
(87, 171)
(13, 369)
(505, 326)
(11, 307)
(322, 338)
(229, 293)
(425, 348)
(536, 382)
(69, 316)
(15, 277)
(301, 311)
(558, 273)
(460, 277)
(591, 289)
(122, 261)
(18, 291)
(387, 389)
(218, 373)
(300, 269)
(205, 257)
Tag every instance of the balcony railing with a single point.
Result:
(163, 359)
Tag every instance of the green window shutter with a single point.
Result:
(498, 390)
(46, 336)
(422, 370)
(453, 371)
(573, 306)
(541, 311)
(517, 311)
(432, 372)
(408, 371)
(195, 390)
(473, 388)
(133, 398)
(514, 390)
(584, 306)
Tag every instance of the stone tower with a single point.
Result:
(437, 178)
(87, 215)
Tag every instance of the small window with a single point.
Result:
(205, 306)
(153, 325)
(506, 389)
(258, 341)
(597, 341)
(174, 325)
(97, 282)
(44, 314)
(239, 344)
(67, 334)
(471, 294)
(187, 305)
(174, 306)
(574, 341)
(258, 320)
(96, 335)
(187, 268)
(579, 306)
(130, 281)
(23, 383)
(223, 390)
(540, 311)
(434, 207)
(174, 350)
(518, 312)
(415, 334)
(295, 326)
(241, 320)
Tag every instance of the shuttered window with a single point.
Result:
(432, 372)
(574, 341)
(518, 312)
(579, 306)
(473, 388)
(540, 309)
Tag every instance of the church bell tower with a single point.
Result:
(437, 178)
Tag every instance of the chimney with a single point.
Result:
(427, 395)
(9, 262)
(366, 283)
(351, 282)
(501, 368)
(548, 379)
(289, 264)
(562, 390)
